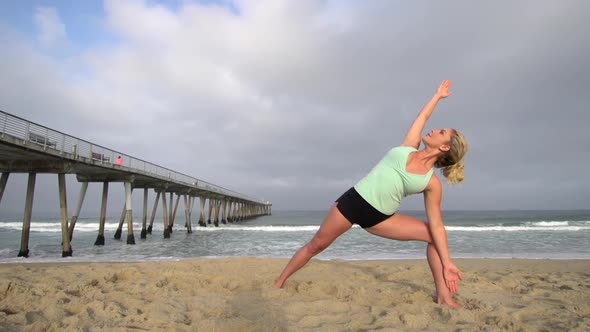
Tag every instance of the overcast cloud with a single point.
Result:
(294, 101)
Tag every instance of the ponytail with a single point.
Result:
(454, 173)
(451, 163)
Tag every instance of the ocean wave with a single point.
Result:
(310, 228)
(547, 223)
(55, 227)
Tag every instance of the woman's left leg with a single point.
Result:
(406, 228)
(334, 225)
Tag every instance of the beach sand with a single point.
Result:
(237, 294)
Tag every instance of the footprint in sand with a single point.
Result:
(472, 304)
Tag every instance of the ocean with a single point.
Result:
(472, 234)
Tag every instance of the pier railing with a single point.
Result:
(56, 142)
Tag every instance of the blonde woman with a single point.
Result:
(373, 201)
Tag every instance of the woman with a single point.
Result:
(372, 202)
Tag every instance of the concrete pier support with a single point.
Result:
(63, 205)
(3, 181)
(228, 214)
(241, 211)
(202, 212)
(154, 209)
(143, 234)
(216, 206)
(103, 212)
(165, 213)
(188, 200)
(81, 196)
(121, 221)
(24, 240)
(170, 221)
(130, 236)
(210, 210)
(173, 217)
(231, 213)
(237, 210)
(191, 204)
(223, 217)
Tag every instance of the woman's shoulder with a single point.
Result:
(399, 154)
(405, 147)
(434, 184)
(402, 149)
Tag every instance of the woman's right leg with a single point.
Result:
(334, 225)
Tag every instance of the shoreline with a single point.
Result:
(74, 260)
(229, 294)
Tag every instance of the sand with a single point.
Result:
(236, 294)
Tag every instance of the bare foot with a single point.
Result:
(450, 302)
(278, 284)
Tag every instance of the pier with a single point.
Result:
(27, 147)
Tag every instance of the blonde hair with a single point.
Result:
(451, 163)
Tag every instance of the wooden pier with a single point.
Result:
(27, 147)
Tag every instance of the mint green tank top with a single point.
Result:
(388, 182)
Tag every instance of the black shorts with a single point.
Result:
(358, 211)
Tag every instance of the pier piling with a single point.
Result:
(216, 206)
(188, 207)
(165, 213)
(191, 200)
(210, 210)
(174, 212)
(130, 236)
(223, 218)
(81, 196)
(3, 181)
(229, 215)
(63, 204)
(144, 214)
(121, 220)
(154, 209)
(170, 219)
(202, 212)
(24, 240)
(103, 212)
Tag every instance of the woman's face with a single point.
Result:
(438, 138)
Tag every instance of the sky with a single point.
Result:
(295, 101)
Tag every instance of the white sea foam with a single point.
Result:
(311, 228)
(557, 226)
(516, 228)
(547, 223)
(55, 227)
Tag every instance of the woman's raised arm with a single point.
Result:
(414, 135)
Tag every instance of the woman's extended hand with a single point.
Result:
(452, 276)
(444, 89)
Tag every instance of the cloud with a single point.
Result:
(51, 30)
(295, 101)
